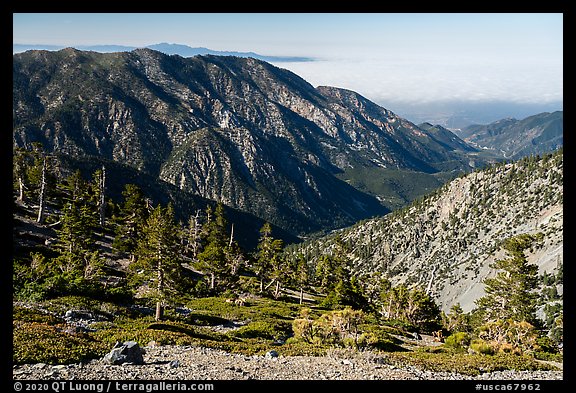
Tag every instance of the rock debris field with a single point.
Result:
(197, 363)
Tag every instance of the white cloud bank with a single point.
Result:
(427, 80)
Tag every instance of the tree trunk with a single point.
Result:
(212, 280)
(41, 202)
(159, 311)
(301, 294)
(159, 308)
(231, 236)
(271, 282)
(193, 235)
(20, 189)
(277, 291)
(102, 199)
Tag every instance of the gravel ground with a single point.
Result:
(196, 363)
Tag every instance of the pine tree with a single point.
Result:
(159, 263)
(421, 310)
(73, 239)
(346, 292)
(193, 238)
(342, 287)
(99, 190)
(212, 259)
(393, 299)
(268, 261)
(78, 257)
(456, 320)
(510, 295)
(75, 189)
(300, 274)
(130, 220)
(279, 272)
(42, 193)
(326, 272)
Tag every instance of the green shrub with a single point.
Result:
(546, 344)
(35, 342)
(267, 329)
(457, 341)
(482, 347)
(554, 357)
(142, 336)
(375, 337)
(25, 314)
(437, 349)
(304, 329)
(468, 364)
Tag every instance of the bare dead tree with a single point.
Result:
(231, 236)
(102, 201)
(194, 229)
(42, 196)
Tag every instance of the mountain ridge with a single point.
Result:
(536, 134)
(143, 108)
(164, 47)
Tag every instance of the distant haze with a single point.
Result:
(459, 114)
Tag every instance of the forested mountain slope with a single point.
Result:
(446, 241)
(514, 138)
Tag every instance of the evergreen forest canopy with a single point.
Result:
(133, 251)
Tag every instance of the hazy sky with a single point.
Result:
(385, 57)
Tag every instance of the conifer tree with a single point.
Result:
(99, 193)
(456, 320)
(326, 274)
(78, 257)
(413, 306)
(510, 294)
(133, 213)
(268, 263)
(159, 263)
(42, 193)
(212, 259)
(421, 310)
(300, 274)
(234, 257)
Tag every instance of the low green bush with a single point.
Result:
(375, 337)
(25, 314)
(482, 347)
(267, 329)
(468, 364)
(457, 341)
(554, 357)
(35, 342)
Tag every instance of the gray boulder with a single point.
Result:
(128, 352)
